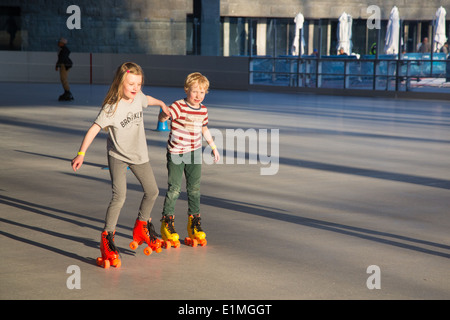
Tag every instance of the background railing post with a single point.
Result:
(319, 59)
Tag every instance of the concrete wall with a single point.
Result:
(159, 26)
(326, 9)
(223, 72)
(115, 26)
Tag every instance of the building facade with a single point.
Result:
(206, 27)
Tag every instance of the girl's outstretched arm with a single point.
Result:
(155, 102)
(88, 138)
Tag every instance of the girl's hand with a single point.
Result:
(165, 109)
(163, 117)
(77, 162)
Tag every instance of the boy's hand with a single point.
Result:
(216, 155)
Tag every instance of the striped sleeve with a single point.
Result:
(175, 110)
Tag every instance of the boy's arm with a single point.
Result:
(210, 140)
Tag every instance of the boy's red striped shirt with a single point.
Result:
(186, 129)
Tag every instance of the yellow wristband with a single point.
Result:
(213, 147)
(81, 153)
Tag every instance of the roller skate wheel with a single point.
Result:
(167, 245)
(134, 245)
(190, 242)
(99, 261)
(176, 244)
(116, 263)
(148, 251)
(105, 264)
(202, 242)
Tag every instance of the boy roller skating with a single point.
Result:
(189, 122)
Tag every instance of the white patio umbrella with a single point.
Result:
(392, 32)
(345, 33)
(439, 27)
(299, 19)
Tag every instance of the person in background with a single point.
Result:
(63, 65)
(341, 52)
(444, 48)
(424, 47)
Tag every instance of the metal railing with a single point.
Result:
(369, 73)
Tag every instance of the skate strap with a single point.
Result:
(110, 242)
(151, 231)
(169, 222)
(196, 223)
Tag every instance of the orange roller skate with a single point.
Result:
(110, 254)
(145, 232)
(195, 232)
(168, 233)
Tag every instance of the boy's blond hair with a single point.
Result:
(196, 78)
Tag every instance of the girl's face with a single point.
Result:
(195, 95)
(131, 86)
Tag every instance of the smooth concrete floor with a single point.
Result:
(361, 182)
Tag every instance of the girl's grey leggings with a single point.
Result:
(144, 174)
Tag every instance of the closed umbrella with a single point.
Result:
(345, 33)
(439, 27)
(392, 32)
(299, 19)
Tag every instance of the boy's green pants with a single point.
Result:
(190, 165)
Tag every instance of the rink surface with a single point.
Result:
(361, 198)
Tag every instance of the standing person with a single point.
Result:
(64, 64)
(341, 52)
(122, 116)
(425, 46)
(189, 122)
(444, 48)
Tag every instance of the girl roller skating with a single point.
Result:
(122, 116)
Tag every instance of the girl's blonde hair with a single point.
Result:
(115, 92)
(198, 78)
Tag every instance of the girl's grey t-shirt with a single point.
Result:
(126, 134)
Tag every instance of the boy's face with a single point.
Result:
(195, 95)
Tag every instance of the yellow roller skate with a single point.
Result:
(195, 232)
(168, 233)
